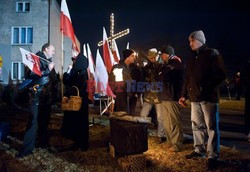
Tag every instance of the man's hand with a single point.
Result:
(182, 102)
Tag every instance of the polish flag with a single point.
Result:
(66, 26)
(115, 51)
(102, 75)
(107, 55)
(91, 61)
(32, 61)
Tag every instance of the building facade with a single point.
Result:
(29, 24)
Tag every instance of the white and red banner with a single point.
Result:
(107, 54)
(67, 28)
(32, 61)
(102, 76)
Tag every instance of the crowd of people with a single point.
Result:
(166, 86)
(170, 85)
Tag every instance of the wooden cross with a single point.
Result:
(112, 35)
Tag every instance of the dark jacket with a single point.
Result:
(124, 89)
(45, 84)
(149, 74)
(78, 77)
(205, 72)
(170, 74)
(126, 77)
(75, 124)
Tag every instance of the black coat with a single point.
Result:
(205, 72)
(170, 74)
(75, 123)
(123, 89)
(46, 84)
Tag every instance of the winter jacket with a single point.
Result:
(130, 74)
(77, 77)
(170, 74)
(205, 72)
(42, 88)
(124, 89)
(149, 73)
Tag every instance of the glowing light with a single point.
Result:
(112, 35)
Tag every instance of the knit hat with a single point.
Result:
(168, 50)
(198, 35)
(152, 53)
(126, 53)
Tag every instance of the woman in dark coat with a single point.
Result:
(75, 123)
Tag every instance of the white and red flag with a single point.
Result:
(91, 72)
(102, 76)
(115, 51)
(67, 28)
(107, 54)
(32, 61)
(91, 61)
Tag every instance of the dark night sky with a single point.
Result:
(226, 24)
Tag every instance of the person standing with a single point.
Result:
(170, 74)
(151, 95)
(76, 123)
(40, 98)
(120, 79)
(205, 72)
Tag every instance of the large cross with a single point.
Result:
(112, 35)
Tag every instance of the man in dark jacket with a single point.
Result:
(151, 95)
(41, 94)
(205, 72)
(170, 74)
(120, 80)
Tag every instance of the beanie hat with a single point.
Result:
(126, 53)
(168, 50)
(198, 35)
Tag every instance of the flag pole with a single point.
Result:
(62, 67)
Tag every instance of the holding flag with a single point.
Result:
(31, 61)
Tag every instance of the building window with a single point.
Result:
(22, 7)
(22, 35)
(17, 71)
